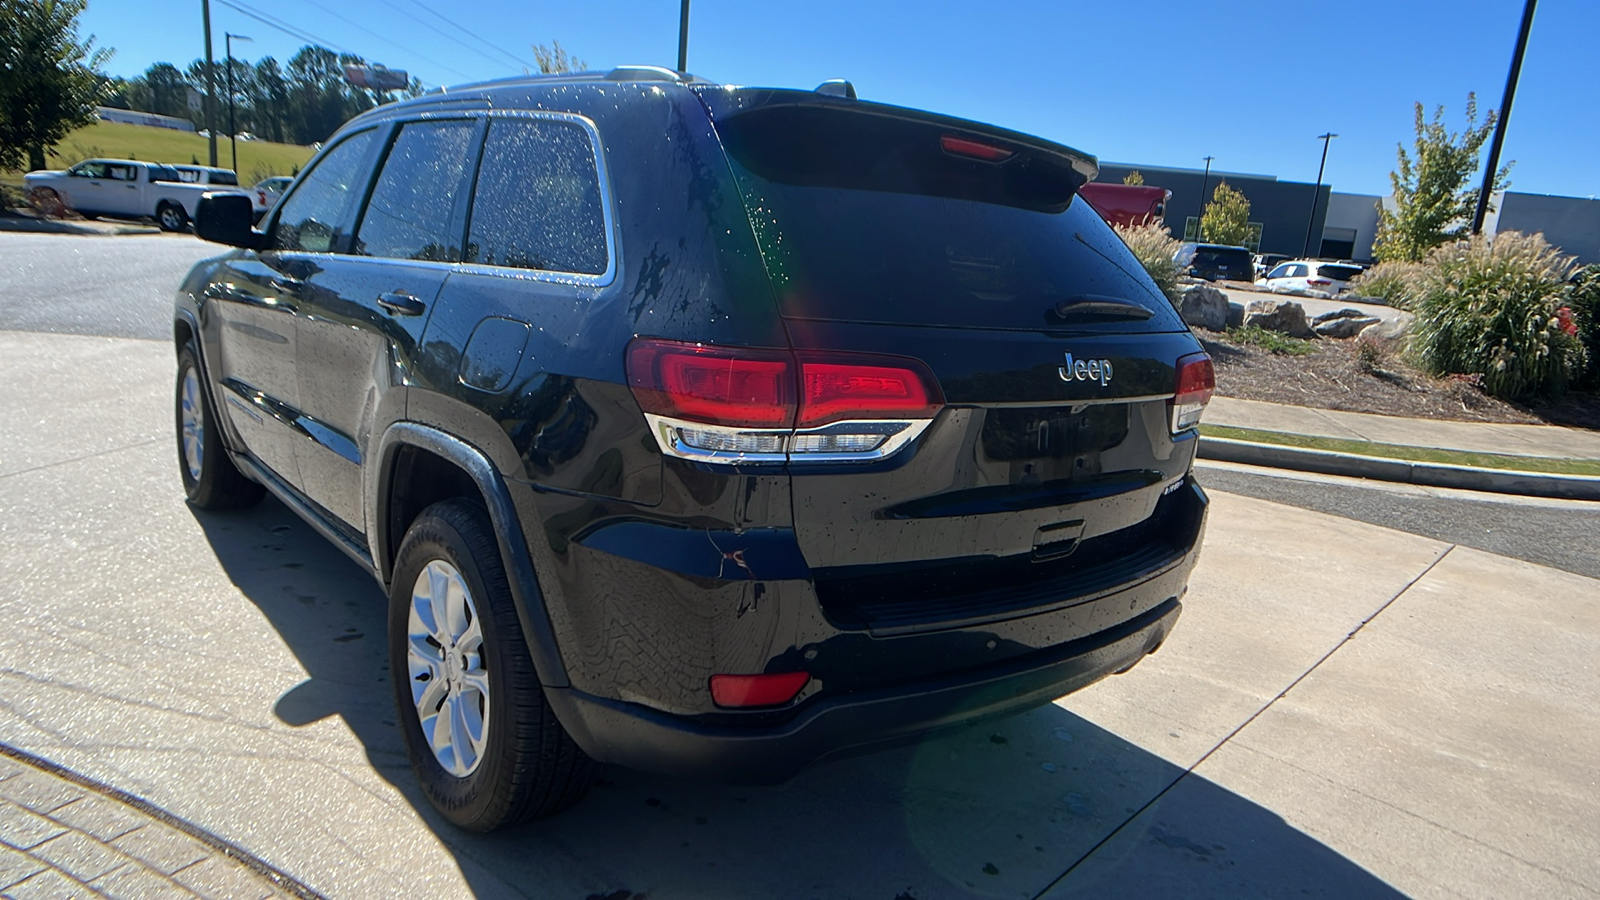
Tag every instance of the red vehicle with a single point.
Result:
(1126, 204)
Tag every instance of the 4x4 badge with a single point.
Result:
(1086, 370)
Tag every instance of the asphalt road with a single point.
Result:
(1558, 533)
(106, 286)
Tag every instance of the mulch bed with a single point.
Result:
(1333, 376)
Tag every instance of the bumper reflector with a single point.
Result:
(757, 690)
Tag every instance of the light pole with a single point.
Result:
(1500, 124)
(1316, 192)
(683, 37)
(1205, 181)
(211, 83)
(233, 130)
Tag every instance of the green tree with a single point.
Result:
(1226, 219)
(1133, 178)
(50, 81)
(1432, 203)
(554, 59)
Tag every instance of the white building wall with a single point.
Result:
(1358, 212)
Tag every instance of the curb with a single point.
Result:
(29, 224)
(1500, 481)
(260, 867)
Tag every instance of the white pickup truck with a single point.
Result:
(126, 189)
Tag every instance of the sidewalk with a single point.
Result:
(62, 835)
(1540, 442)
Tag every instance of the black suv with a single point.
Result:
(1218, 262)
(699, 429)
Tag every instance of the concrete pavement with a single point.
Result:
(1343, 710)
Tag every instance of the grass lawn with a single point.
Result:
(116, 140)
(1411, 454)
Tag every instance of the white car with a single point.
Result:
(266, 192)
(1311, 275)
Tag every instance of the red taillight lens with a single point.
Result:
(1197, 381)
(747, 388)
(1318, 281)
(967, 147)
(757, 690)
(833, 390)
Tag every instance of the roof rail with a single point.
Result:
(644, 73)
(837, 87)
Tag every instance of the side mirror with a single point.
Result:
(226, 219)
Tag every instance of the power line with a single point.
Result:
(516, 60)
(380, 37)
(285, 27)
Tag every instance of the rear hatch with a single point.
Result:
(1040, 481)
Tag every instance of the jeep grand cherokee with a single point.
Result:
(700, 429)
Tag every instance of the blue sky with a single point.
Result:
(1139, 81)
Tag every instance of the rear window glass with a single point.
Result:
(1338, 273)
(224, 178)
(537, 204)
(865, 217)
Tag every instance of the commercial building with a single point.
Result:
(1343, 225)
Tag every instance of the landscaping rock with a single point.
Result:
(1388, 329)
(1235, 314)
(1346, 313)
(1282, 316)
(1205, 306)
(1344, 327)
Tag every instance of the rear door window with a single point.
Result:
(413, 210)
(538, 202)
(320, 211)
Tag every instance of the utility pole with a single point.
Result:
(683, 37)
(1316, 194)
(1204, 183)
(1500, 123)
(233, 129)
(211, 81)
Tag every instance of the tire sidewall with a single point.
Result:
(193, 488)
(464, 801)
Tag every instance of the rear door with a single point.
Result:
(362, 312)
(906, 235)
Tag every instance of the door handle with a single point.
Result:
(401, 303)
(286, 284)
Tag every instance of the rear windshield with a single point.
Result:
(1223, 259)
(869, 217)
(1338, 272)
(224, 178)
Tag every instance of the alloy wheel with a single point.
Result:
(444, 659)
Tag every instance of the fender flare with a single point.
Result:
(524, 582)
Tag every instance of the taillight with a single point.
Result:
(741, 405)
(757, 690)
(1197, 381)
(1318, 281)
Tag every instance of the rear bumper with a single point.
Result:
(637, 737)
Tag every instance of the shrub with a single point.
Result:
(1155, 248)
(1493, 310)
(1391, 282)
(1271, 341)
(1583, 298)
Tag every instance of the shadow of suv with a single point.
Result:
(703, 430)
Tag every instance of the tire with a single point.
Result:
(171, 217)
(520, 764)
(210, 479)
